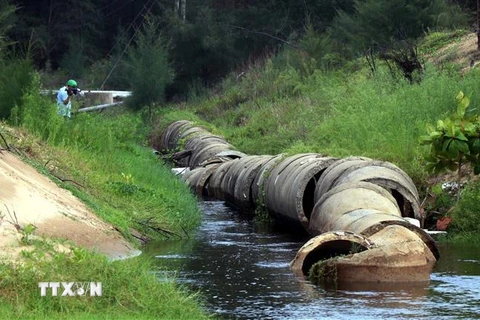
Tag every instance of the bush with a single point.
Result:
(15, 78)
(466, 215)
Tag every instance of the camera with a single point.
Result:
(74, 91)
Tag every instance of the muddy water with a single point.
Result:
(242, 270)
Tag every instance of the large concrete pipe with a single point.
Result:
(238, 181)
(214, 189)
(169, 137)
(365, 200)
(395, 253)
(200, 155)
(258, 186)
(290, 187)
(196, 142)
(381, 173)
(356, 208)
(364, 239)
(198, 178)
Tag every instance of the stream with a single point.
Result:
(241, 269)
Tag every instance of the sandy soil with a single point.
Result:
(464, 53)
(55, 212)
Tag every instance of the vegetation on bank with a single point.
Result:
(278, 107)
(104, 160)
(130, 290)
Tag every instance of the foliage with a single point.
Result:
(15, 78)
(87, 41)
(440, 39)
(148, 69)
(465, 215)
(74, 59)
(381, 23)
(455, 140)
(6, 12)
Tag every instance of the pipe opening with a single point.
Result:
(308, 200)
(330, 249)
(405, 206)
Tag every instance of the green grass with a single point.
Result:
(130, 290)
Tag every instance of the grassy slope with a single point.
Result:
(276, 108)
(123, 183)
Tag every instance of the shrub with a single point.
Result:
(466, 215)
(148, 67)
(15, 78)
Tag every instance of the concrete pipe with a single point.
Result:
(186, 142)
(231, 154)
(198, 178)
(334, 171)
(394, 253)
(192, 177)
(238, 181)
(358, 209)
(201, 140)
(214, 188)
(95, 98)
(191, 132)
(290, 187)
(363, 198)
(364, 239)
(384, 174)
(258, 186)
(169, 137)
(200, 155)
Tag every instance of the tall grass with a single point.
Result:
(129, 288)
(340, 114)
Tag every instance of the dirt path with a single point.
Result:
(55, 212)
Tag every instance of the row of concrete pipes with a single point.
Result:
(363, 214)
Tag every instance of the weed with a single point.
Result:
(324, 272)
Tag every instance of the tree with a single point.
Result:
(148, 67)
(390, 28)
(6, 11)
(478, 25)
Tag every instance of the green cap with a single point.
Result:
(72, 83)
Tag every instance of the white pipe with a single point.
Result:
(100, 106)
(114, 93)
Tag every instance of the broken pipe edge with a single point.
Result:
(335, 256)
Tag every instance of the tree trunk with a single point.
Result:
(177, 6)
(478, 25)
(184, 9)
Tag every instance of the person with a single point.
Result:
(64, 98)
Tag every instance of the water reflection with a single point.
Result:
(242, 269)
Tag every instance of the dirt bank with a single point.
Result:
(28, 197)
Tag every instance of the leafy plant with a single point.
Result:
(27, 231)
(454, 140)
